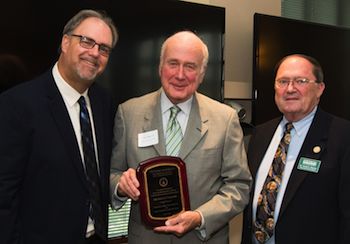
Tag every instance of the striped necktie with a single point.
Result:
(92, 176)
(264, 224)
(173, 133)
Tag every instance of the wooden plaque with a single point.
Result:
(163, 189)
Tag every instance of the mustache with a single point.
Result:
(91, 60)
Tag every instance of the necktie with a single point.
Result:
(264, 223)
(173, 133)
(91, 169)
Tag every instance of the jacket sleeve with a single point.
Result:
(14, 152)
(233, 195)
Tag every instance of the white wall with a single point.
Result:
(238, 57)
(239, 41)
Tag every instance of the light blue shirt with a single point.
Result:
(182, 116)
(298, 134)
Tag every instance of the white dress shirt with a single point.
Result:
(70, 98)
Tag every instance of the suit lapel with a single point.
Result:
(64, 125)
(153, 121)
(197, 127)
(316, 136)
(261, 139)
(97, 113)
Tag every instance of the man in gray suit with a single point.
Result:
(212, 149)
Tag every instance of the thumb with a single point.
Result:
(172, 221)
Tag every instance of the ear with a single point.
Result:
(65, 43)
(202, 74)
(321, 87)
(160, 69)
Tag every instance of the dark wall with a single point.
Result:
(31, 31)
(276, 37)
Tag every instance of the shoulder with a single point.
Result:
(339, 126)
(213, 106)
(28, 91)
(141, 103)
(266, 129)
(26, 101)
(268, 124)
(335, 123)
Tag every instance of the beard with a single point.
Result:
(88, 72)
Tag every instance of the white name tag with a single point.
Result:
(148, 138)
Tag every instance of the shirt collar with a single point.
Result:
(166, 104)
(68, 93)
(303, 123)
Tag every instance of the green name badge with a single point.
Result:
(308, 164)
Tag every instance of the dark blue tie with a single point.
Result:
(91, 170)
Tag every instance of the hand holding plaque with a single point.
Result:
(163, 188)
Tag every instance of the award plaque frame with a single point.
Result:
(163, 189)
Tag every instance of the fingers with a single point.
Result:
(181, 224)
(128, 185)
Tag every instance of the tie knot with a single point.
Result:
(289, 127)
(174, 110)
(81, 101)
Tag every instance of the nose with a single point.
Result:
(95, 50)
(290, 86)
(180, 72)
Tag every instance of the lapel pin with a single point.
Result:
(316, 149)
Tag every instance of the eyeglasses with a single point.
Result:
(89, 43)
(297, 82)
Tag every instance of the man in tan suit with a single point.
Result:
(212, 149)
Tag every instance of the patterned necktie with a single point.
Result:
(91, 170)
(264, 223)
(173, 133)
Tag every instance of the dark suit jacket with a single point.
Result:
(43, 189)
(316, 206)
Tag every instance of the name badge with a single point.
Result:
(148, 138)
(309, 164)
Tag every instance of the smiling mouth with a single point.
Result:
(178, 86)
(89, 62)
(291, 98)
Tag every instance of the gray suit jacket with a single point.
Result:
(216, 164)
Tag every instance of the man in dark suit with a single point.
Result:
(311, 204)
(212, 149)
(44, 188)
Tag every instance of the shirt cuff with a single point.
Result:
(117, 200)
(201, 228)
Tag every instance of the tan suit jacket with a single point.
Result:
(216, 164)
